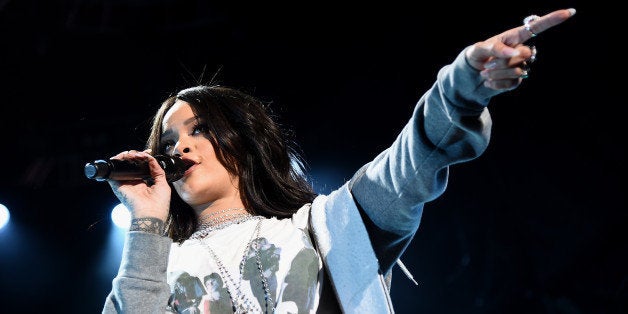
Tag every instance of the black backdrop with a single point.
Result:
(535, 225)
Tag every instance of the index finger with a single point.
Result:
(544, 23)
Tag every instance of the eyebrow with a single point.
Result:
(168, 132)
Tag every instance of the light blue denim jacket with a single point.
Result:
(362, 228)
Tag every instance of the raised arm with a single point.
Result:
(450, 124)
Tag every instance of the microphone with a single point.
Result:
(114, 169)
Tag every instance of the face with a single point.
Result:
(206, 183)
(210, 283)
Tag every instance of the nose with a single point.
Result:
(181, 148)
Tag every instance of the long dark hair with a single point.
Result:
(249, 144)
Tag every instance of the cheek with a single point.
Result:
(202, 144)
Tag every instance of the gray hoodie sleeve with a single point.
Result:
(450, 124)
(141, 286)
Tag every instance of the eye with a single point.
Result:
(200, 129)
(166, 146)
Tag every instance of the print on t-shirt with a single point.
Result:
(296, 294)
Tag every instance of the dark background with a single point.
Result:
(537, 224)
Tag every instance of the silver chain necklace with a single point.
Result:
(241, 303)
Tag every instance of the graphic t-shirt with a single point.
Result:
(206, 274)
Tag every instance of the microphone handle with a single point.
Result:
(121, 170)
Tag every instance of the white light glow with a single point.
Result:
(121, 216)
(4, 216)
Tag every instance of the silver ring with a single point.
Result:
(526, 23)
(525, 70)
(533, 56)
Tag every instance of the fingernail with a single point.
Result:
(490, 65)
(572, 11)
(511, 52)
(484, 73)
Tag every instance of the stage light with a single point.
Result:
(121, 216)
(4, 216)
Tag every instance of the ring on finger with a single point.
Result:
(527, 21)
(525, 70)
(533, 55)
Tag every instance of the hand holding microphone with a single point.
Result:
(137, 181)
(121, 170)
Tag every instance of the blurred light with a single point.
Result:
(4, 216)
(121, 216)
(111, 254)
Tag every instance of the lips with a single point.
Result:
(188, 165)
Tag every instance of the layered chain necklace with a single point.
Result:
(241, 303)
